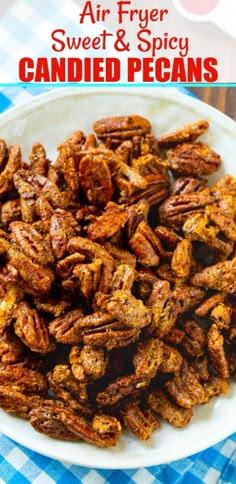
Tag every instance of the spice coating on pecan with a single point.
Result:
(188, 133)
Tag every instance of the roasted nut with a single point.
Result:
(95, 179)
(12, 400)
(188, 133)
(193, 159)
(171, 360)
(121, 388)
(185, 387)
(108, 224)
(168, 410)
(69, 164)
(87, 363)
(177, 209)
(182, 259)
(117, 311)
(217, 352)
(68, 389)
(10, 211)
(32, 243)
(195, 340)
(121, 127)
(148, 358)
(32, 329)
(146, 246)
(38, 159)
(185, 185)
(27, 381)
(8, 305)
(221, 277)
(139, 422)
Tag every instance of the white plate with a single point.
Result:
(49, 118)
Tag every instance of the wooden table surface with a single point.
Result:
(222, 98)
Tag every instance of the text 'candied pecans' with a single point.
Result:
(117, 281)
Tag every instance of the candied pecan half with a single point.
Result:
(177, 209)
(27, 381)
(124, 307)
(51, 305)
(193, 159)
(93, 250)
(150, 164)
(200, 227)
(201, 366)
(8, 304)
(12, 400)
(10, 211)
(182, 259)
(148, 357)
(185, 387)
(106, 424)
(123, 278)
(214, 387)
(85, 430)
(216, 351)
(169, 410)
(171, 361)
(63, 328)
(205, 308)
(32, 243)
(44, 210)
(95, 179)
(62, 422)
(195, 339)
(187, 185)
(119, 128)
(65, 267)
(32, 329)
(188, 133)
(38, 159)
(137, 421)
(69, 162)
(63, 227)
(136, 214)
(189, 297)
(68, 389)
(3, 152)
(175, 336)
(231, 358)
(121, 388)
(221, 277)
(111, 335)
(30, 185)
(45, 419)
(87, 364)
(12, 165)
(146, 246)
(109, 223)
(11, 348)
(37, 277)
(155, 191)
(225, 186)
(221, 315)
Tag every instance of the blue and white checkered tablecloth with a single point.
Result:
(20, 465)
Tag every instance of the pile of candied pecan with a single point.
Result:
(111, 317)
